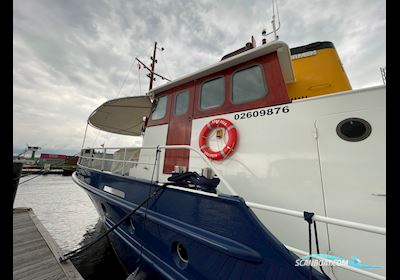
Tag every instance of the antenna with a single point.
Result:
(273, 18)
(274, 28)
(383, 73)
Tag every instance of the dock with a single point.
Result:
(35, 253)
(41, 171)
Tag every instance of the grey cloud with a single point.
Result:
(70, 56)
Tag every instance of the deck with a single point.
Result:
(35, 253)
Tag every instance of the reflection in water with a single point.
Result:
(99, 260)
(70, 217)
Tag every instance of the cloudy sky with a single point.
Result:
(71, 56)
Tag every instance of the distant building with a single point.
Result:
(52, 159)
(73, 160)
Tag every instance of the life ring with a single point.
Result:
(229, 147)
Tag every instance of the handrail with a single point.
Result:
(294, 213)
(116, 160)
(208, 162)
(327, 220)
(289, 212)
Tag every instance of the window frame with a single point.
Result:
(201, 88)
(263, 74)
(273, 78)
(165, 119)
(166, 108)
(187, 105)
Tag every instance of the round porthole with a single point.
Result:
(180, 255)
(353, 129)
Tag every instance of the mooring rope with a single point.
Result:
(83, 248)
(73, 253)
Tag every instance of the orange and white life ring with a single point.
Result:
(230, 145)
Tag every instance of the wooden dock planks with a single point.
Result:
(35, 253)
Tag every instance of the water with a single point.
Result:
(70, 217)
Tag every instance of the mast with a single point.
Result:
(153, 62)
(152, 66)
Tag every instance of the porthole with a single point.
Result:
(180, 255)
(353, 129)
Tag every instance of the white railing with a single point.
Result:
(205, 159)
(327, 220)
(293, 213)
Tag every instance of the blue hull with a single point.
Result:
(221, 236)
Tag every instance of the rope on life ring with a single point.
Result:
(229, 147)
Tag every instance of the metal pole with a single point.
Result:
(90, 163)
(80, 158)
(158, 165)
(123, 164)
(84, 137)
(104, 157)
(153, 58)
(274, 27)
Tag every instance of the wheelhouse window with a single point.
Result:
(181, 103)
(248, 85)
(161, 109)
(212, 94)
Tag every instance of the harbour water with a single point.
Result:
(70, 217)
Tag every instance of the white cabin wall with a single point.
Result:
(358, 184)
(154, 135)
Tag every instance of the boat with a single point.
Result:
(240, 162)
(70, 165)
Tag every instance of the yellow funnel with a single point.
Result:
(318, 71)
